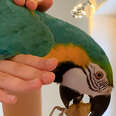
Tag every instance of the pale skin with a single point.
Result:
(22, 77)
(31, 72)
(20, 80)
(41, 5)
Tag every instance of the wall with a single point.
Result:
(62, 10)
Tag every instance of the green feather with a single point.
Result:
(66, 33)
(22, 32)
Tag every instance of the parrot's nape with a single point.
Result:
(83, 66)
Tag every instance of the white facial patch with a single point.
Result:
(76, 79)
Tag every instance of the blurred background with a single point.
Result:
(101, 25)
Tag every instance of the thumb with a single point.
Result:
(44, 5)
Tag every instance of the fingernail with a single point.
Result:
(48, 77)
(12, 99)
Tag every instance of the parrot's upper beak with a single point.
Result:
(68, 94)
(99, 104)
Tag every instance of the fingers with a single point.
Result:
(6, 98)
(37, 62)
(22, 74)
(43, 5)
(11, 83)
(25, 72)
(32, 4)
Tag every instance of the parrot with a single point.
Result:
(83, 66)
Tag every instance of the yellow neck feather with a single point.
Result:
(69, 52)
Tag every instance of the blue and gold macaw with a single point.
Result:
(83, 65)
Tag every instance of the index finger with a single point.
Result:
(36, 62)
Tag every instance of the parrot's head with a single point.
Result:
(79, 74)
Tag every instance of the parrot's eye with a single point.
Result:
(99, 75)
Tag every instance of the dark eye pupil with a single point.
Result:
(99, 74)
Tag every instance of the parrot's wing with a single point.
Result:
(22, 32)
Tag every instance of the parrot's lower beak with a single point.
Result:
(99, 104)
(68, 94)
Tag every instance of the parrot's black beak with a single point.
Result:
(99, 104)
(68, 94)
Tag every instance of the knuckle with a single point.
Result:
(17, 67)
(37, 86)
(33, 85)
(3, 77)
(30, 59)
(36, 74)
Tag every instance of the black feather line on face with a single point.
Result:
(62, 68)
(89, 79)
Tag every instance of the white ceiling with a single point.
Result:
(108, 8)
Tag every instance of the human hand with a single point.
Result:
(24, 73)
(41, 5)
